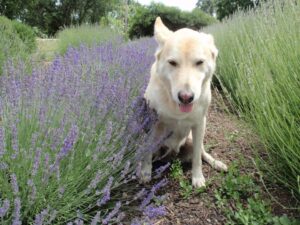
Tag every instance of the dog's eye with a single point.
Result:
(173, 63)
(199, 62)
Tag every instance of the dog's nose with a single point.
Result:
(185, 97)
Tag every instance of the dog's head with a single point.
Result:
(185, 61)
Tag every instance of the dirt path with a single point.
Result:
(227, 139)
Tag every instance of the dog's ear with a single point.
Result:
(209, 39)
(161, 32)
(213, 48)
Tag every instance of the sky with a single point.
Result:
(187, 5)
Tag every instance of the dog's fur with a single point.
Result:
(185, 62)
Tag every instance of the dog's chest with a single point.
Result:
(179, 130)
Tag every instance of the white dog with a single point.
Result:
(179, 90)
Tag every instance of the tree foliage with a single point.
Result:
(208, 6)
(17, 40)
(226, 8)
(51, 15)
(142, 22)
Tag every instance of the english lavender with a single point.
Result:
(17, 212)
(152, 211)
(151, 193)
(4, 208)
(2, 140)
(106, 193)
(72, 126)
(14, 184)
(112, 214)
(36, 162)
(39, 219)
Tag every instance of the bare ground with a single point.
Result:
(230, 140)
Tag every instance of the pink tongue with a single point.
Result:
(185, 108)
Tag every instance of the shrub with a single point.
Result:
(259, 68)
(72, 134)
(141, 23)
(16, 40)
(88, 35)
(26, 34)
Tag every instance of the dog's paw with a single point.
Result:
(220, 166)
(145, 176)
(198, 181)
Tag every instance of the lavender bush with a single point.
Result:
(71, 135)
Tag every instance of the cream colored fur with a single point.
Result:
(185, 62)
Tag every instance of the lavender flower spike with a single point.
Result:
(153, 212)
(14, 184)
(112, 213)
(4, 208)
(17, 212)
(106, 193)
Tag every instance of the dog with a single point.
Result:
(179, 91)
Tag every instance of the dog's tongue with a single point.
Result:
(185, 108)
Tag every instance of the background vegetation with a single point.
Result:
(141, 23)
(88, 35)
(17, 40)
(224, 8)
(49, 16)
(259, 68)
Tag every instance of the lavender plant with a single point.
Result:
(71, 136)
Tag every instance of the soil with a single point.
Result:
(230, 140)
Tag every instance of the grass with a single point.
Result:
(239, 198)
(88, 35)
(17, 41)
(259, 69)
(47, 49)
(186, 188)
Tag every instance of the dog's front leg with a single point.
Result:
(198, 130)
(146, 168)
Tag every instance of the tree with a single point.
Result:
(226, 8)
(141, 23)
(51, 15)
(208, 6)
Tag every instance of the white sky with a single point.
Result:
(187, 5)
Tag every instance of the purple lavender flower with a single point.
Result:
(4, 208)
(2, 140)
(95, 181)
(32, 196)
(111, 215)
(152, 211)
(3, 166)
(14, 184)
(36, 161)
(140, 194)
(15, 141)
(69, 141)
(92, 88)
(159, 171)
(109, 131)
(125, 170)
(67, 146)
(17, 212)
(39, 218)
(151, 194)
(96, 219)
(106, 193)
